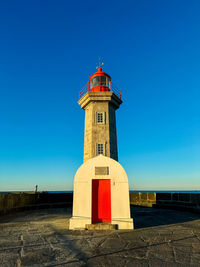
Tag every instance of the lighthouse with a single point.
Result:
(101, 190)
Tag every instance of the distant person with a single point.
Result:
(36, 187)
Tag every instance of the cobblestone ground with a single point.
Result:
(41, 238)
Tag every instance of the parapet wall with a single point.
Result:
(12, 202)
(143, 199)
(181, 201)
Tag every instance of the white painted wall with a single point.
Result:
(82, 199)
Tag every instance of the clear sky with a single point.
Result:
(48, 49)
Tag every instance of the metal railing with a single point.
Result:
(91, 88)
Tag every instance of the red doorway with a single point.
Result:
(101, 201)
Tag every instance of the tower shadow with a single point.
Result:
(148, 217)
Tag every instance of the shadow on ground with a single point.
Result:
(143, 217)
(37, 215)
(149, 217)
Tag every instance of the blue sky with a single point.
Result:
(48, 49)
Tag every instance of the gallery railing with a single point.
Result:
(109, 87)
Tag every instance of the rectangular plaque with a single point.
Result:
(101, 170)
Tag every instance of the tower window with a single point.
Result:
(100, 117)
(99, 149)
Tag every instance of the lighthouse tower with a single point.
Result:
(100, 100)
(101, 191)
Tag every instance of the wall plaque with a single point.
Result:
(101, 170)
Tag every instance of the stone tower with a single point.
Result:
(100, 100)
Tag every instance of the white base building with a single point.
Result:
(101, 195)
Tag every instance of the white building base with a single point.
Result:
(77, 223)
(124, 224)
(82, 197)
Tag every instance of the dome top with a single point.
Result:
(86, 171)
(99, 73)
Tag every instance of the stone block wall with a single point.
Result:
(100, 132)
(143, 199)
(11, 202)
(180, 201)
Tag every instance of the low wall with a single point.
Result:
(12, 202)
(143, 199)
(181, 201)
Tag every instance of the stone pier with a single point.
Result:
(39, 238)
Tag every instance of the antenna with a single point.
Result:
(100, 64)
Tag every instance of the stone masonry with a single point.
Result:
(104, 132)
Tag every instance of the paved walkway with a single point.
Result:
(40, 238)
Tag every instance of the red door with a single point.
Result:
(101, 201)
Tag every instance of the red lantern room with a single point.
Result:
(100, 82)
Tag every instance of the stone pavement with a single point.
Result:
(41, 238)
